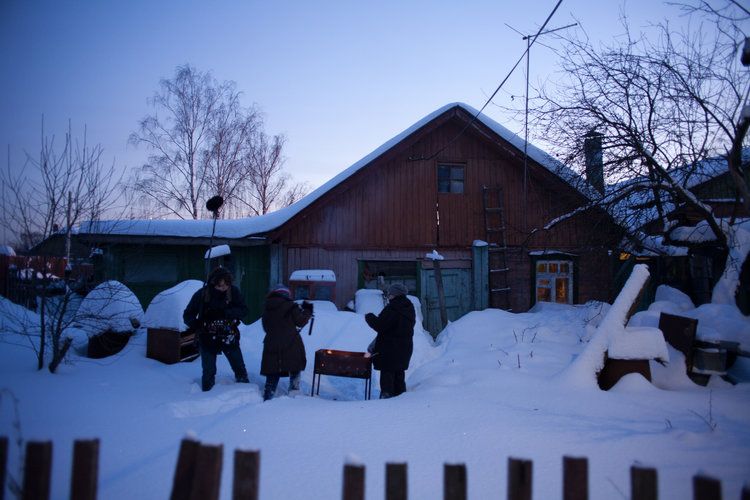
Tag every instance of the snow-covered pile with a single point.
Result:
(109, 306)
(165, 310)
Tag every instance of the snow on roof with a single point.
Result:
(313, 275)
(637, 209)
(240, 228)
(217, 251)
(6, 250)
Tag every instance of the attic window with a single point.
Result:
(450, 178)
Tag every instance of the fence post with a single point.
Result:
(746, 493)
(207, 480)
(246, 481)
(37, 470)
(354, 482)
(454, 482)
(395, 482)
(85, 475)
(184, 470)
(706, 488)
(643, 483)
(3, 464)
(575, 478)
(519, 479)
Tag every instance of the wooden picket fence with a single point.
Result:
(196, 457)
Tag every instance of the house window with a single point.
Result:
(450, 178)
(554, 281)
(381, 274)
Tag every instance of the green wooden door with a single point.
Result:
(457, 286)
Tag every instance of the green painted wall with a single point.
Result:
(150, 269)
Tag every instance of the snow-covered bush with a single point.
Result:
(109, 306)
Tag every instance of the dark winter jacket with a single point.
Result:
(209, 304)
(283, 350)
(395, 326)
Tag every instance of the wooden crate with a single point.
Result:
(170, 346)
(615, 369)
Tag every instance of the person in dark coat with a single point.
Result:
(283, 350)
(214, 312)
(392, 348)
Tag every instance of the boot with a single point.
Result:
(294, 379)
(242, 379)
(267, 394)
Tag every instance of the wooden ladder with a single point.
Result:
(494, 226)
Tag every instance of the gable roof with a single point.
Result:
(259, 225)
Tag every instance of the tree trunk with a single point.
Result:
(60, 355)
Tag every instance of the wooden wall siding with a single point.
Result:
(392, 202)
(594, 271)
(345, 264)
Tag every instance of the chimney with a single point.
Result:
(592, 150)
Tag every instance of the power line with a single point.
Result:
(473, 119)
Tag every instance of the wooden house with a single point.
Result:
(455, 183)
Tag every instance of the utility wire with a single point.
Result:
(473, 119)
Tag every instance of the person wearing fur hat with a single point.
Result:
(393, 345)
(283, 350)
(214, 312)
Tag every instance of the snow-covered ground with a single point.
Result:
(494, 385)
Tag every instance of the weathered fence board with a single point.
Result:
(519, 479)
(85, 474)
(3, 464)
(396, 482)
(575, 478)
(454, 482)
(208, 460)
(706, 488)
(37, 470)
(354, 482)
(643, 483)
(185, 470)
(246, 482)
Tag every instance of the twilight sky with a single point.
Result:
(338, 78)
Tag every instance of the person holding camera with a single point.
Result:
(214, 312)
(393, 345)
(283, 350)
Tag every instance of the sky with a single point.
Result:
(494, 385)
(337, 78)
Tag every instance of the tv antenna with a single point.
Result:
(529, 39)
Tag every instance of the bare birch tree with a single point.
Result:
(50, 195)
(203, 143)
(178, 134)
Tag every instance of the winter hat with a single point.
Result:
(281, 289)
(220, 274)
(397, 289)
